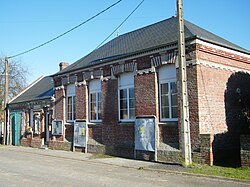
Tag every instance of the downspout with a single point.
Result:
(7, 125)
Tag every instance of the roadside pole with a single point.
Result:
(184, 105)
(6, 93)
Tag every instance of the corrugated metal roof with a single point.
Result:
(153, 36)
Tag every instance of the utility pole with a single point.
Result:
(184, 105)
(6, 93)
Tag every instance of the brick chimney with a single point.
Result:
(63, 65)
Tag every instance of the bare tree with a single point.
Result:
(17, 79)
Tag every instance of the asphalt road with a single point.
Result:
(35, 167)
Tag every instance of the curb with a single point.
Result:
(200, 175)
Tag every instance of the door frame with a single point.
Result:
(16, 119)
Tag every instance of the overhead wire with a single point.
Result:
(59, 36)
(120, 24)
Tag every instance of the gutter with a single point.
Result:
(117, 58)
(244, 51)
(129, 56)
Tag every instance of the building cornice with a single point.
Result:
(216, 66)
(223, 50)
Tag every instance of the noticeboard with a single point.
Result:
(80, 133)
(57, 127)
(145, 133)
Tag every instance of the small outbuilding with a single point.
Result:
(30, 114)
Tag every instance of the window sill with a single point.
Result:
(94, 123)
(128, 123)
(69, 123)
(168, 123)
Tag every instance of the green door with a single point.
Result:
(16, 124)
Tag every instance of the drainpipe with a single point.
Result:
(7, 125)
(46, 114)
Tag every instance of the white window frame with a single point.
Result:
(71, 93)
(36, 123)
(95, 88)
(171, 118)
(126, 82)
(167, 74)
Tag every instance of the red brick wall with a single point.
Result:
(146, 99)
(60, 145)
(26, 142)
(169, 134)
(95, 133)
(146, 94)
(69, 132)
(193, 107)
(222, 57)
(206, 149)
(219, 113)
(59, 104)
(81, 102)
(211, 89)
(143, 62)
(206, 89)
(125, 135)
(36, 142)
(109, 112)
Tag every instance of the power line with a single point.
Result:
(66, 31)
(120, 24)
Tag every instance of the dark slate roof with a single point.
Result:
(43, 89)
(153, 36)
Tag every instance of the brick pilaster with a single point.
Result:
(110, 112)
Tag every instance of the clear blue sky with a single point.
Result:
(24, 24)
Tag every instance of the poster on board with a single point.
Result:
(57, 127)
(80, 133)
(145, 133)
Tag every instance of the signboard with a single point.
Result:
(145, 133)
(80, 133)
(57, 127)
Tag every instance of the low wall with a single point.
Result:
(245, 150)
(26, 142)
(206, 149)
(36, 143)
(60, 145)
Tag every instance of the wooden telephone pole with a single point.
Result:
(6, 93)
(184, 105)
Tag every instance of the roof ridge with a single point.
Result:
(223, 42)
(147, 26)
(152, 36)
(27, 88)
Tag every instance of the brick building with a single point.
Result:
(30, 114)
(136, 74)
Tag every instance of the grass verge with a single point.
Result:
(238, 173)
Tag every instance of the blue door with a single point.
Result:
(16, 125)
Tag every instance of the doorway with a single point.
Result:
(16, 125)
